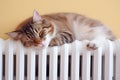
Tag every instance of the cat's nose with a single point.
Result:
(37, 41)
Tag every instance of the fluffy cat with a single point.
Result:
(60, 28)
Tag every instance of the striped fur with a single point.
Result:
(62, 38)
(58, 29)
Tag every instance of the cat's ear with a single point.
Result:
(14, 34)
(36, 16)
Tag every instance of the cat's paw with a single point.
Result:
(92, 45)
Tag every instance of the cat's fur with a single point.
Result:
(60, 28)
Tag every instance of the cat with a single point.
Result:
(59, 28)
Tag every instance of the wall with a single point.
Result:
(12, 12)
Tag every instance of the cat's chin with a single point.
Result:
(42, 46)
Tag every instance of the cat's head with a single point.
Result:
(36, 33)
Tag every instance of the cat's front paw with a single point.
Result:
(92, 45)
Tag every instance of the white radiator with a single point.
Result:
(67, 62)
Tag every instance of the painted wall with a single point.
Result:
(12, 12)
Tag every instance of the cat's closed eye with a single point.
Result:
(35, 30)
(28, 36)
(41, 34)
(45, 27)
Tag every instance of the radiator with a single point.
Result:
(67, 62)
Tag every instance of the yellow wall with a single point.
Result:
(12, 12)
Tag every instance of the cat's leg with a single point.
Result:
(96, 43)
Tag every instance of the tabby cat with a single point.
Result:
(60, 28)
